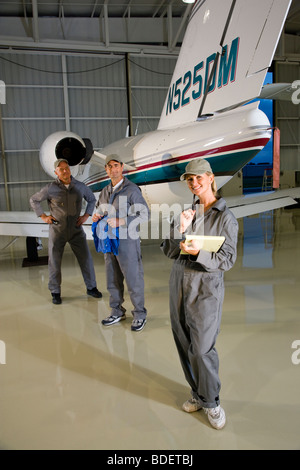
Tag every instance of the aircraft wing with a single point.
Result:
(243, 206)
(27, 224)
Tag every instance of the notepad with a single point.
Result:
(207, 243)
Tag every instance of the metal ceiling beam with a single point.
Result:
(69, 47)
(127, 10)
(94, 8)
(170, 29)
(106, 23)
(35, 19)
(61, 17)
(182, 25)
(165, 11)
(157, 9)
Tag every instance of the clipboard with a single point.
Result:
(206, 243)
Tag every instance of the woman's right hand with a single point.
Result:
(186, 218)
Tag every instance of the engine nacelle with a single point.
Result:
(67, 145)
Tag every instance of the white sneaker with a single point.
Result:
(112, 319)
(192, 405)
(216, 417)
(138, 325)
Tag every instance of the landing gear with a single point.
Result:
(33, 245)
(32, 249)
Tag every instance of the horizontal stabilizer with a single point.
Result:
(277, 91)
(243, 206)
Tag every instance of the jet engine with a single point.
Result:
(67, 145)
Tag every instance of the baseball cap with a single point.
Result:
(59, 161)
(196, 167)
(113, 157)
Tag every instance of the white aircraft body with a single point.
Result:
(208, 113)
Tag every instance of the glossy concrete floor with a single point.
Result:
(66, 382)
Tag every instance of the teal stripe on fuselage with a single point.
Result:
(226, 164)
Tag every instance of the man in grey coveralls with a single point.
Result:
(197, 288)
(64, 197)
(123, 203)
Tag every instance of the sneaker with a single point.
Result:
(216, 417)
(94, 293)
(56, 299)
(191, 405)
(138, 325)
(113, 319)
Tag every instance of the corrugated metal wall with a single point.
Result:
(150, 80)
(46, 93)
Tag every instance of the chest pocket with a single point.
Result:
(58, 202)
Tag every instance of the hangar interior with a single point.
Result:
(99, 68)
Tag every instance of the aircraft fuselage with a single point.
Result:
(156, 160)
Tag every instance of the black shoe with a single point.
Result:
(94, 293)
(56, 299)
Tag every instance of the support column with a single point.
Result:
(3, 158)
(128, 88)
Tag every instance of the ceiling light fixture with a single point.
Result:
(188, 1)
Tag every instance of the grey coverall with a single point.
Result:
(65, 205)
(125, 202)
(196, 299)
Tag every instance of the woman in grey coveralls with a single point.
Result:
(197, 289)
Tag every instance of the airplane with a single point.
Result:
(209, 112)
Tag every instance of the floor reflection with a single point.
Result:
(69, 383)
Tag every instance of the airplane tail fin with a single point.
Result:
(227, 49)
